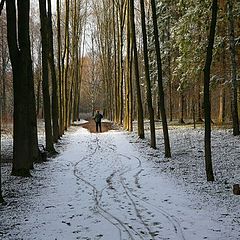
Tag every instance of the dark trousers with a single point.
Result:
(98, 124)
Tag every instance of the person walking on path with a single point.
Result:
(98, 117)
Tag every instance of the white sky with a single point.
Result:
(54, 5)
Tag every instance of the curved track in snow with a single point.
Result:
(122, 171)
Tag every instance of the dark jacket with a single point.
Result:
(98, 117)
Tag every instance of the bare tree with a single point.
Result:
(207, 103)
(147, 76)
(137, 77)
(160, 81)
(51, 60)
(128, 74)
(45, 76)
(25, 147)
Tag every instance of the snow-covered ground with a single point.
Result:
(113, 186)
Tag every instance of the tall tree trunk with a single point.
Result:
(137, 77)
(59, 57)
(39, 82)
(160, 82)
(235, 119)
(45, 83)
(74, 67)
(169, 76)
(130, 119)
(115, 63)
(78, 25)
(207, 102)
(35, 154)
(222, 99)
(65, 65)
(147, 76)
(24, 126)
(121, 23)
(127, 72)
(55, 113)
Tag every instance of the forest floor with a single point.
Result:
(112, 185)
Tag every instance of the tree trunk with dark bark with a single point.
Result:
(147, 76)
(25, 144)
(59, 57)
(160, 82)
(45, 75)
(140, 119)
(207, 102)
(55, 108)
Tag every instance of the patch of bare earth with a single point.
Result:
(91, 126)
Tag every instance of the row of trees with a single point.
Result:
(162, 56)
(145, 60)
(40, 62)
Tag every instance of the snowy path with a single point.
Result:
(100, 187)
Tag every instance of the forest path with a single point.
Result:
(100, 187)
(91, 126)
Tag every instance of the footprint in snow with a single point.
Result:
(68, 223)
(99, 236)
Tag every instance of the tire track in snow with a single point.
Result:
(124, 185)
(97, 195)
(171, 218)
(175, 223)
(118, 175)
(121, 226)
(129, 192)
(109, 180)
